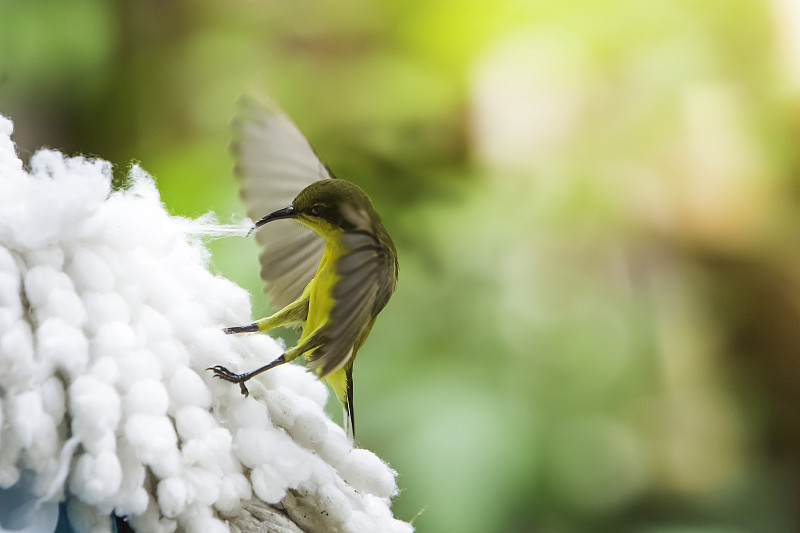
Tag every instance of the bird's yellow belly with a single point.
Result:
(320, 303)
(320, 296)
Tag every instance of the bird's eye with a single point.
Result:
(316, 210)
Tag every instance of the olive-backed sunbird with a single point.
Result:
(331, 266)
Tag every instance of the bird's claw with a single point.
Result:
(224, 374)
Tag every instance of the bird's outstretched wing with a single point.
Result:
(367, 277)
(274, 163)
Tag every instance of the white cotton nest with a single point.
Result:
(108, 319)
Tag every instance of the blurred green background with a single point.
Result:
(597, 324)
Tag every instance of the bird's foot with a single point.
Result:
(250, 328)
(224, 374)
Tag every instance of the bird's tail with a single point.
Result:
(348, 415)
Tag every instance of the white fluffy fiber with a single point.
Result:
(108, 318)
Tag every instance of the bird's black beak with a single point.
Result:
(286, 212)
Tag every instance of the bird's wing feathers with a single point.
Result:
(364, 270)
(274, 163)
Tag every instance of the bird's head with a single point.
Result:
(329, 207)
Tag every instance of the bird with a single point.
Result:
(330, 269)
